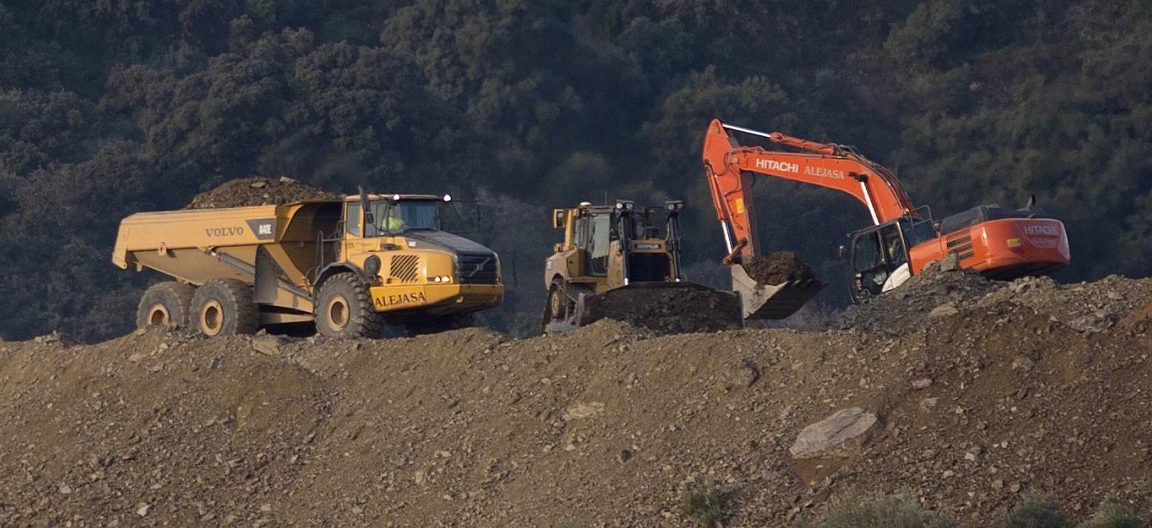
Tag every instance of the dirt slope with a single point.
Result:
(1026, 387)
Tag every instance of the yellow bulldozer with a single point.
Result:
(355, 267)
(617, 261)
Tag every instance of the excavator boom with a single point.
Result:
(730, 169)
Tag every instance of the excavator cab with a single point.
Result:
(878, 255)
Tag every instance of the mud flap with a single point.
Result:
(772, 301)
(667, 307)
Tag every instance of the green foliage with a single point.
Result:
(1035, 511)
(854, 510)
(703, 504)
(111, 107)
(1112, 515)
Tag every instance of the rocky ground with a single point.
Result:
(983, 392)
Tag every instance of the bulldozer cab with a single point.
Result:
(615, 245)
(594, 236)
(622, 262)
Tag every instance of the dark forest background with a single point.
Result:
(517, 107)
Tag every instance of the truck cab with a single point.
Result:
(396, 244)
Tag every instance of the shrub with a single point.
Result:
(702, 503)
(853, 510)
(1035, 511)
(1112, 515)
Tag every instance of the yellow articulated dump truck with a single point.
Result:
(353, 267)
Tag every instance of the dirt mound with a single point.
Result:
(907, 307)
(606, 426)
(779, 267)
(936, 293)
(245, 192)
(668, 310)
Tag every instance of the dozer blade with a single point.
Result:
(772, 301)
(666, 307)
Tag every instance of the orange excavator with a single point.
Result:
(998, 242)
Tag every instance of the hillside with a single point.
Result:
(1018, 388)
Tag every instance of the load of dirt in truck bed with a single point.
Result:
(777, 268)
(1030, 388)
(244, 192)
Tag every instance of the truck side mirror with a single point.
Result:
(842, 251)
(558, 218)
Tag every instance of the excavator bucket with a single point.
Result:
(666, 307)
(772, 301)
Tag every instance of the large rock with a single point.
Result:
(836, 436)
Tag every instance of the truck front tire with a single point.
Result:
(344, 309)
(165, 304)
(225, 307)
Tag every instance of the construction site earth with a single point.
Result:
(981, 392)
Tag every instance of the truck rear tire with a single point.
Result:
(225, 307)
(344, 309)
(165, 304)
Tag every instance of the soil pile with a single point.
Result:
(907, 307)
(668, 309)
(1029, 387)
(779, 267)
(934, 292)
(244, 192)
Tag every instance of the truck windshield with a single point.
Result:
(404, 215)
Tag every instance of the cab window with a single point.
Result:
(893, 246)
(392, 217)
(598, 243)
(866, 252)
(352, 218)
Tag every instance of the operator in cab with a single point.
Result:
(394, 222)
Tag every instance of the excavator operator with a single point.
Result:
(895, 251)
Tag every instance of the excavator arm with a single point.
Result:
(731, 168)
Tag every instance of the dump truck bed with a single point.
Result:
(198, 245)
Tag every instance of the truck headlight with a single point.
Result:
(372, 266)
